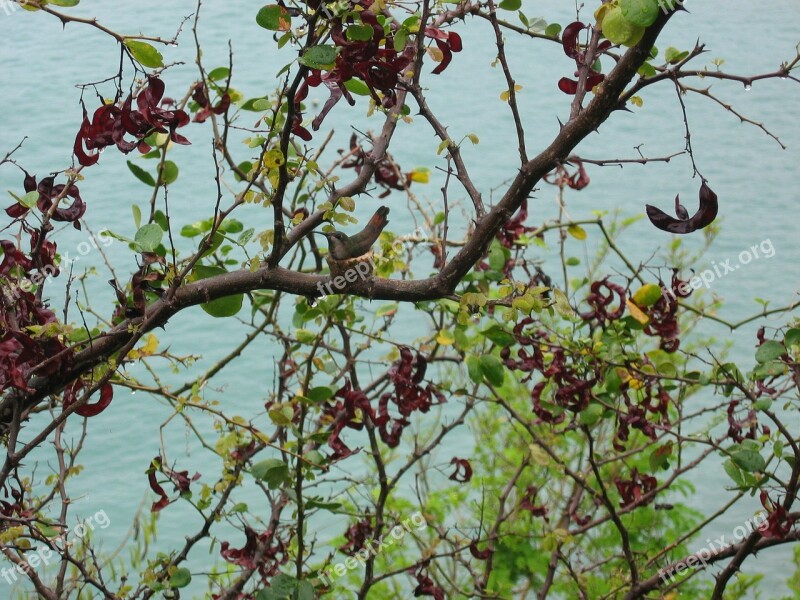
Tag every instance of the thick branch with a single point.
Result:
(441, 285)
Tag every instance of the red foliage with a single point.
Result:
(575, 50)
(634, 490)
(352, 406)
(111, 123)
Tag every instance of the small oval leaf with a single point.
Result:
(145, 54)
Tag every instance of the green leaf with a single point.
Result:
(647, 70)
(274, 18)
(245, 236)
(749, 460)
(219, 73)
(499, 336)
(273, 471)
(141, 174)
(770, 350)
(180, 578)
(734, 473)
(552, 30)
(145, 54)
(640, 12)
(305, 591)
(497, 257)
(221, 307)
(772, 368)
(492, 368)
(357, 87)
(281, 586)
(305, 336)
(29, 200)
(319, 57)
(331, 506)
(216, 242)
(619, 30)
(660, 456)
(169, 173)
(320, 394)
(245, 167)
(400, 40)
(149, 237)
(359, 33)
(591, 414)
(232, 226)
(66, 3)
(510, 4)
(191, 231)
(474, 368)
(673, 56)
(792, 338)
(763, 404)
(255, 104)
(137, 215)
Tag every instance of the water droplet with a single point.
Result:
(476, 317)
(748, 87)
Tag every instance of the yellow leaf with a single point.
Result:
(273, 158)
(600, 13)
(637, 313)
(647, 295)
(420, 175)
(626, 377)
(505, 95)
(562, 303)
(347, 203)
(445, 338)
(435, 54)
(148, 349)
(539, 455)
(473, 138)
(576, 231)
(150, 345)
(636, 100)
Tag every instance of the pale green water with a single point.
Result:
(755, 180)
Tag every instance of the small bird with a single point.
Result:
(342, 247)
